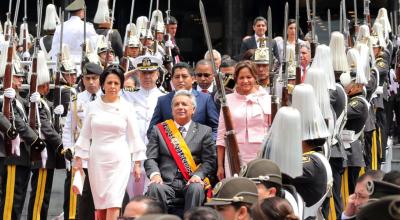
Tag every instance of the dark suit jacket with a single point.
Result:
(205, 113)
(198, 139)
(251, 43)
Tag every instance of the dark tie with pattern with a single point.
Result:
(182, 130)
(93, 97)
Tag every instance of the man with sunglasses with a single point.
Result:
(204, 77)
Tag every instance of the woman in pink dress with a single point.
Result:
(250, 107)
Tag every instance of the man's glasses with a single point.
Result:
(125, 218)
(203, 74)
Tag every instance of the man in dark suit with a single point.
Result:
(168, 166)
(253, 42)
(182, 79)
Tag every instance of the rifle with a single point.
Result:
(168, 61)
(231, 142)
(297, 48)
(309, 21)
(145, 48)
(346, 30)
(314, 42)
(355, 18)
(367, 15)
(25, 35)
(57, 86)
(8, 25)
(7, 105)
(272, 76)
(329, 25)
(125, 59)
(33, 107)
(84, 46)
(285, 91)
(109, 34)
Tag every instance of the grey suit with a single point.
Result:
(199, 140)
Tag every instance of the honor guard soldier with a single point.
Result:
(104, 23)
(68, 79)
(43, 171)
(131, 47)
(16, 176)
(382, 66)
(73, 32)
(261, 59)
(171, 25)
(158, 28)
(357, 113)
(74, 120)
(49, 27)
(316, 181)
(105, 53)
(145, 101)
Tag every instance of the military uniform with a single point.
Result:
(17, 168)
(42, 176)
(114, 38)
(357, 114)
(370, 124)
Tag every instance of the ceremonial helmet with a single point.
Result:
(313, 123)
(323, 60)
(131, 39)
(261, 55)
(103, 45)
(1, 28)
(141, 25)
(378, 32)
(51, 19)
(23, 30)
(103, 12)
(43, 74)
(291, 61)
(338, 52)
(285, 152)
(67, 64)
(91, 56)
(157, 21)
(17, 68)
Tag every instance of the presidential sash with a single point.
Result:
(179, 150)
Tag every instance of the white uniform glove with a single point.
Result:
(35, 97)
(169, 44)
(15, 146)
(9, 93)
(59, 110)
(379, 90)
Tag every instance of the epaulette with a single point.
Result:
(74, 98)
(380, 62)
(306, 156)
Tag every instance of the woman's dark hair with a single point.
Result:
(245, 64)
(274, 208)
(291, 21)
(113, 69)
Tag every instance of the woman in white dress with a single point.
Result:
(111, 142)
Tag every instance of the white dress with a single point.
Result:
(110, 141)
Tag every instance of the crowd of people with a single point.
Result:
(143, 135)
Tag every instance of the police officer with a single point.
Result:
(233, 198)
(17, 167)
(74, 120)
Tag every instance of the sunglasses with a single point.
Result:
(203, 74)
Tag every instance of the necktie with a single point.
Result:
(182, 130)
(204, 90)
(93, 97)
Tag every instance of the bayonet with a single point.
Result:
(272, 76)
(308, 15)
(341, 17)
(314, 38)
(131, 15)
(355, 17)
(84, 39)
(285, 92)
(367, 15)
(57, 90)
(297, 46)
(329, 25)
(232, 145)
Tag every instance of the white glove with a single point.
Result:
(398, 41)
(379, 90)
(15, 146)
(9, 93)
(44, 156)
(59, 110)
(35, 97)
(26, 55)
(169, 44)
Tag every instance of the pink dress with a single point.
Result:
(251, 118)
